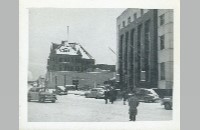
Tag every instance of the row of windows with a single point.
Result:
(68, 68)
(162, 19)
(142, 52)
(129, 20)
(72, 59)
(135, 16)
(66, 59)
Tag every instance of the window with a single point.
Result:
(66, 59)
(143, 76)
(162, 42)
(124, 23)
(162, 71)
(129, 19)
(141, 12)
(135, 16)
(162, 19)
(126, 52)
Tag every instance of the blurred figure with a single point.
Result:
(133, 104)
(124, 96)
(112, 95)
(107, 95)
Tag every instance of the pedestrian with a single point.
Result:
(133, 104)
(124, 96)
(112, 95)
(106, 95)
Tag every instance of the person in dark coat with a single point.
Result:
(133, 104)
(106, 96)
(112, 95)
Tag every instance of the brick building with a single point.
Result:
(69, 62)
(139, 55)
(69, 57)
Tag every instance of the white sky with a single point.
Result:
(95, 29)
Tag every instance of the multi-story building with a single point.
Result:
(69, 57)
(70, 62)
(139, 56)
(165, 48)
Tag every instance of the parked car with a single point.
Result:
(167, 102)
(70, 87)
(61, 90)
(147, 95)
(41, 94)
(95, 93)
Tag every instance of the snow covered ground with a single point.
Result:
(76, 108)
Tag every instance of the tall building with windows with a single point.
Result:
(140, 39)
(165, 48)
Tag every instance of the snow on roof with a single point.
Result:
(72, 49)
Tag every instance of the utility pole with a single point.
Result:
(68, 33)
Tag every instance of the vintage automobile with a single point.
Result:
(41, 94)
(95, 93)
(167, 102)
(61, 90)
(147, 95)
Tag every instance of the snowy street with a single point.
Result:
(76, 108)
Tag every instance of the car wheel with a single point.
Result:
(86, 96)
(53, 101)
(29, 100)
(168, 106)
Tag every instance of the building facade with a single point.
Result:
(84, 79)
(165, 48)
(138, 55)
(70, 62)
(69, 57)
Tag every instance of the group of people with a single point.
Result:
(110, 94)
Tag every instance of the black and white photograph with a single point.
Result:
(100, 65)
(119, 60)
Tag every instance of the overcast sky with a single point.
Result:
(95, 29)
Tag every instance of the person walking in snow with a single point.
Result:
(112, 95)
(133, 104)
(106, 96)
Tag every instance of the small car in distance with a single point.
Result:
(95, 93)
(167, 102)
(41, 94)
(147, 95)
(61, 90)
